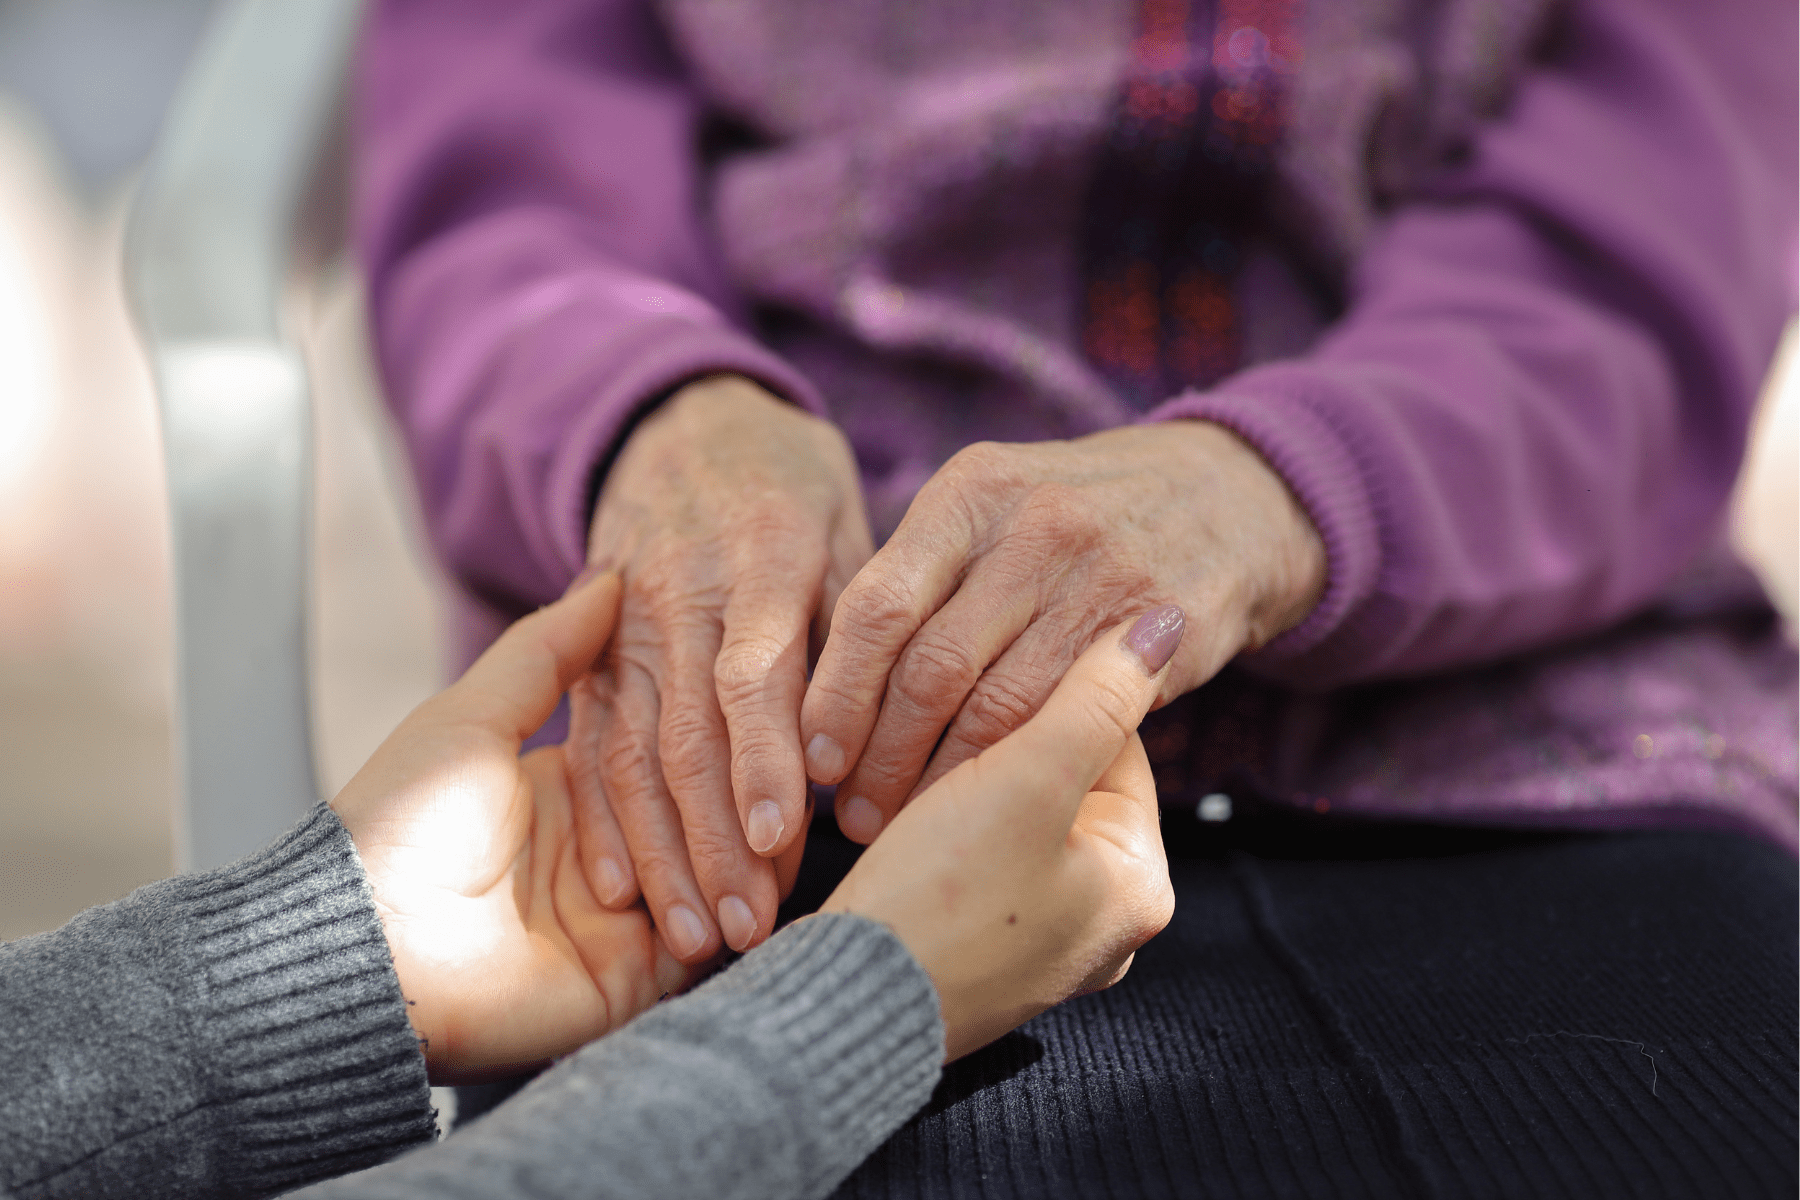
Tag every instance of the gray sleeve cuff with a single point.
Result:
(771, 1082)
(239, 1031)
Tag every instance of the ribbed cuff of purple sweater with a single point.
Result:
(518, 365)
(623, 378)
(1280, 411)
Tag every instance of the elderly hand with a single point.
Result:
(503, 952)
(1034, 871)
(1011, 559)
(736, 519)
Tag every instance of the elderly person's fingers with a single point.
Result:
(1084, 532)
(695, 751)
(760, 676)
(930, 683)
(603, 854)
(733, 515)
(632, 776)
(876, 618)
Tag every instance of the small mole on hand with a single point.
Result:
(1012, 918)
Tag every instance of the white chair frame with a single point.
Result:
(241, 200)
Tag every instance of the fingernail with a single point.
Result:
(1156, 635)
(737, 922)
(612, 881)
(824, 759)
(859, 819)
(764, 826)
(685, 932)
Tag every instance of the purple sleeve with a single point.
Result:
(528, 217)
(1531, 416)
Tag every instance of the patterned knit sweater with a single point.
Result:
(1491, 284)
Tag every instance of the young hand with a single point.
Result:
(1034, 871)
(504, 954)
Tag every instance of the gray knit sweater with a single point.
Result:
(241, 1032)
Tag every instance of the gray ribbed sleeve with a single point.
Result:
(229, 1033)
(774, 1081)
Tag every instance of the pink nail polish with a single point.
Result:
(1156, 635)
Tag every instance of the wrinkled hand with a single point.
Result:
(1011, 559)
(736, 519)
(1034, 871)
(503, 952)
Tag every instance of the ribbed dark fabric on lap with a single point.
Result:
(1487, 1014)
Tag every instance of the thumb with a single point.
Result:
(514, 686)
(1048, 765)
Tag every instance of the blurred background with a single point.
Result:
(86, 775)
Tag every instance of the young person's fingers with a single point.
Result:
(934, 675)
(760, 677)
(1121, 810)
(632, 776)
(1049, 764)
(1130, 775)
(514, 686)
(604, 856)
(899, 589)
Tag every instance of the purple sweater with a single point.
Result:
(1491, 286)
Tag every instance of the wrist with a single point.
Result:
(1283, 557)
(647, 412)
(661, 438)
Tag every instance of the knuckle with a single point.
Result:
(662, 868)
(872, 609)
(753, 749)
(979, 459)
(999, 705)
(715, 853)
(741, 672)
(1109, 710)
(668, 583)
(836, 703)
(772, 518)
(935, 672)
(688, 746)
(1117, 704)
(627, 761)
(686, 729)
(883, 777)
